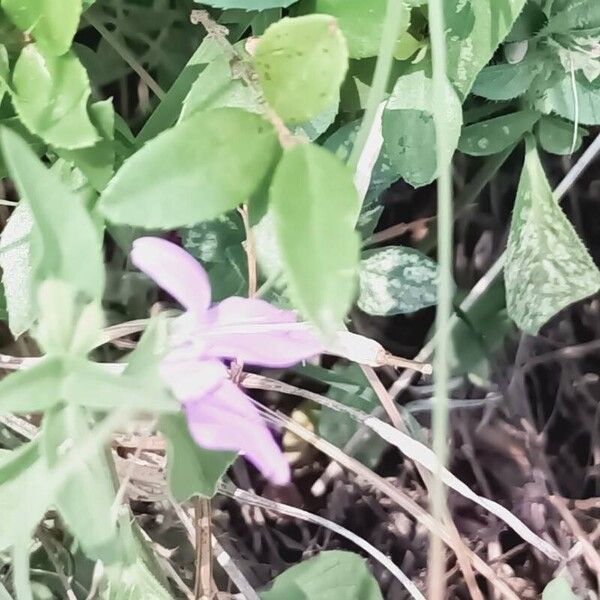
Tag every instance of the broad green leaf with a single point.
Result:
(248, 4)
(208, 241)
(301, 63)
(331, 575)
(466, 57)
(52, 23)
(547, 266)
(4, 70)
(528, 23)
(15, 260)
(409, 131)
(217, 87)
(230, 277)
(24, 493)
(556, 135)
(194, 172)
(559, 589)
(396, 280)
(85, 500)
(574, 16)
(97, 162)
(133, 581)
(315, 206)
(191, 470)
(337, 427)
(361, 22)
(505, 81)
(561, 100)
(318, 124)
(50, 95)
(459, 19)
(35, 389)
(497, 134)
(65, 243)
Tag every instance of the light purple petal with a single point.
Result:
(174, 270)
(239, 328)
(226, 419)
(190, 378)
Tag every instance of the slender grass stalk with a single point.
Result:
(436, 566)
(390, 33)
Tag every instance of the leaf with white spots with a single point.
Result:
(396, 280)
(547, 266)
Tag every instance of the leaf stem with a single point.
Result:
(436, 567)
(391, 31)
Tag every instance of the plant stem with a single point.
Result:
(391, 31)
(436, 566)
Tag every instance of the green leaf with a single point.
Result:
(66, 243)
(315, 206)
(97, 162)
(497, 134)
(361, 22)
(559, 589)
(505, 81)
(35, 389)
(199, 169)
(301, 63)
(459, 19)
(409, 132)
(328, 576)
(569, 16)
(556, 135)
(547, 266)
(50, 95)
(191, 470)
(15, 260)
(24, 493)
(318, 125)
(248, 4)
(561, 100)
(493, 19)
(85, 500)
(217, 87)
(53, 23)
(4, 70)
(396, 280)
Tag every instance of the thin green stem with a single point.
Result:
(436, 567)
(390, 33)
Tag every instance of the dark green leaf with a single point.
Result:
(528, 24)
(68, 244)
(315, 206)
(504, 81)
(331, 575)
(560, 99)
(52, 23)
(208, 241)
(50, 95)
(559, 589)
(556, 135)
(201, 168)
(85, 500)
(547, 266)
(574, 16)
(248, 4)
(396, 280)
(301, 64)
(191, 470)
(497, 134)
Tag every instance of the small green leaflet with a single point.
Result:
(53, 23)
(409, 132)
(560, 99)
(65, 242)
(466, 57)
(332, 574)
(504, 81)
(4, 70)
(301, 63)
(568, 16)
(191, 470)
(547, 266)
(247, 4)
(556, 135)
(315, 206)
(497, 134)
(396, 280)
(361, 22)
(208, 241)
(50, 95)
(199, 169)
(559, 589)
(459, 19)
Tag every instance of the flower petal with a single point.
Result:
(254, 331)
(191, 378)
(174, 270)
(226, 419)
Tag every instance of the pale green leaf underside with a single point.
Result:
(559, 589)
(547, 266)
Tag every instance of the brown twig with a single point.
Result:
(203, 589)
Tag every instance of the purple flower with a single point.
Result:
(219, 415)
